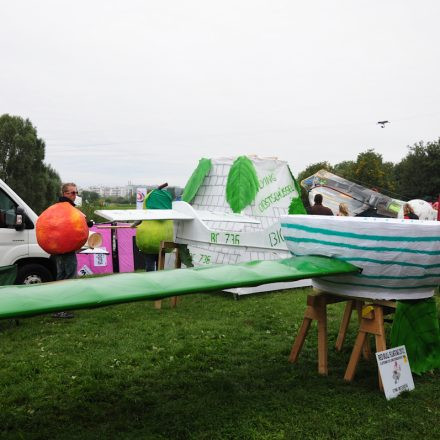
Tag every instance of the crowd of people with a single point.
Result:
(319, 209)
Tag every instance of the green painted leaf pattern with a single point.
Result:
(297, 206)
(196, 179)
(416, 326)
(242, 185)
(185, 255)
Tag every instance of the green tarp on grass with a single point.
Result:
(18, 301)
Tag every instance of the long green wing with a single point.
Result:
(16, 301)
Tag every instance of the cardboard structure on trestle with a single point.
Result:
(263, 240)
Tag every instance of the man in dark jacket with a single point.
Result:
(318, 208)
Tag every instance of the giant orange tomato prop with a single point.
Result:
(61, 228)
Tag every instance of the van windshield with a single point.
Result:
(7, 210)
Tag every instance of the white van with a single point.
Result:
(18, 241)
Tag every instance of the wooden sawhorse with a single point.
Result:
(370, 322)
(316, 310)
(164, 245)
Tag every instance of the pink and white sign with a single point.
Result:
(140, 197)
(97, 265)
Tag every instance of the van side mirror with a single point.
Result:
(19, 219)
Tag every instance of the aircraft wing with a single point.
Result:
(131, 215)
(97, 250)
(35, 299)
(215, 216)
(181, 211)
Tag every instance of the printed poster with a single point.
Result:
(395, 371)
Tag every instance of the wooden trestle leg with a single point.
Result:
(316, 310)
(371, 323)
(349, 307)
(164, 245)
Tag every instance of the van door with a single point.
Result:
(13, 244)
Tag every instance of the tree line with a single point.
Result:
(22, 164)
(416, 176)
(22, 167)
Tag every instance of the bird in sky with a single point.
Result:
(382, 123)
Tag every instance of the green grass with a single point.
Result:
(213, 368)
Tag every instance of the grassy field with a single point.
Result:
(213, 368)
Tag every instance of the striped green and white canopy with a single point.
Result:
(400, 258)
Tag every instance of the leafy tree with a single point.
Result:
(53, 185)
(90, 196)
(21, 163)
(88, 209)
(345, 169)
(370, 171)
(418, 173)
(132, 199)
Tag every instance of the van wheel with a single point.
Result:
(33, 274)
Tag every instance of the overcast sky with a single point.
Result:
(140, 90)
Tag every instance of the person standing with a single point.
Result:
(318, 208)
(66, 264)
(343, 210)
(408, 212)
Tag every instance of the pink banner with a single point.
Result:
(125, 248)
(97, 263)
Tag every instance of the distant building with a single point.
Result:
(127, 190)
(113, 191)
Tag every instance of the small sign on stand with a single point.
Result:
(394, 371)
(140, 197)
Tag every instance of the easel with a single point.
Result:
(164, 245)
(371, 321)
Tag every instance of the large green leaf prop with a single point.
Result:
(158, 199)
(242, 185)
(296, 206)
(416, 326)
(196, 179)
(185, 255)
